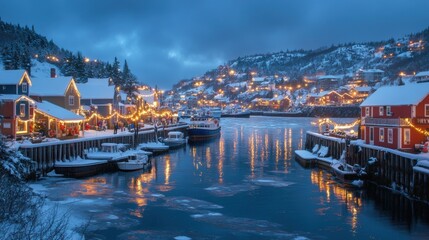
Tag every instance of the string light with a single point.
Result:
(336, 125)
(426, 133)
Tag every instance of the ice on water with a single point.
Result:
(190, 204)
(227, 191)
(271, 182)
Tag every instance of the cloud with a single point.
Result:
(165, 41)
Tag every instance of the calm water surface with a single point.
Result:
(244, 185)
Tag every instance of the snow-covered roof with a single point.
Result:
(363, 89)
(422, 74)
(410, 94)
(12, 76)
(51, 86)
(328, 77)
(96, 88)
(279, 98)
(58, 112)
(372, 71)
(258, 79)
(14, 97)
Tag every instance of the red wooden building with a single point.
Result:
(396, 117)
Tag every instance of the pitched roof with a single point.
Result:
(410, 94)
(12, 76)
(96, 88)
(58, 112)
(50, 86)
(14, 97)
(422, 74)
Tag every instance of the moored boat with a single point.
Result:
(204, 127)
(109, 151)
(175, 139)
(154, 147)
(347, 173)
(134, 162)
(80, 167)
(236, 113)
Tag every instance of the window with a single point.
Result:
(367, 111)
(71, 100)
(22, 110)
(381, 135)
(381, 111)
(390, 135)
(24, 87)
(426, 110)
(407, 136)
(388, 111)
(371, 134)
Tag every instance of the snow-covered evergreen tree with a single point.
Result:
(13, 164)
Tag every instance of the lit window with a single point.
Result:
(367, 111)
(22, 110)
(381, 135)
(407, 136)
(71, 100)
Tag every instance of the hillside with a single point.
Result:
(229, 82)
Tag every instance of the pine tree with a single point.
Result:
(128, 81)
(115, 73)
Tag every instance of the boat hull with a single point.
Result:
(200, 133)
(236, 115)
(80, 171)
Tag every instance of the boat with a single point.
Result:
(136, 161)
(235, 113)
(154, 147)
(79, 168)
(175, 139)
(203, 127)
(347, 173)
(111, 152)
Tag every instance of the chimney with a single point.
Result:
(53, 73)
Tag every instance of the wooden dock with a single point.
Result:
(401, 171)
(45, 154)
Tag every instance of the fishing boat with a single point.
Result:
(237, 112)
(136, 161)
(203, 127)
(79, 168)
(347, 173)
(175, 139)
(154, 147)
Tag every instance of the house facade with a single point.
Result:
(61, 91)
(396, 117)
(16, 82)
(17, 113)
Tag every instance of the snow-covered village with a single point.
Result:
(214, 120)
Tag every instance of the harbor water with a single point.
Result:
(243, 185)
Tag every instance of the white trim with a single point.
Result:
(426, 112)
(388, 111)
(381, 111)
(390, 139)
(371, 135)
(407, 130)
(381, 136)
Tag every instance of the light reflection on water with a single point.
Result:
(242, 185)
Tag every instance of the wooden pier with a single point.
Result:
(45, 154)
(386, 167)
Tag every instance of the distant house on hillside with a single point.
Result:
(422, 77)
(369, 76)
(61, 91)
(396, 116)
(328, 82)
(16, 82)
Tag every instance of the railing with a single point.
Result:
(384, 121)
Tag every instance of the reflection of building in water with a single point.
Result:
(140, 187)
(167, 170)
(344, 195)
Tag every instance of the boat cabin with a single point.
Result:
(110, 147)
(175, 135)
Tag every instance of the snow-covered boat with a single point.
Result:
(109, 151)
(175, 139)
(236, 113)
(347, 173)
(204, 127)
(80, 167)
(136, 161)
(154, 147)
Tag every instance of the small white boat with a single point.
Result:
(154, 147)
(175, 139)
(136, 161)
(80, 167)
(347, 173)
